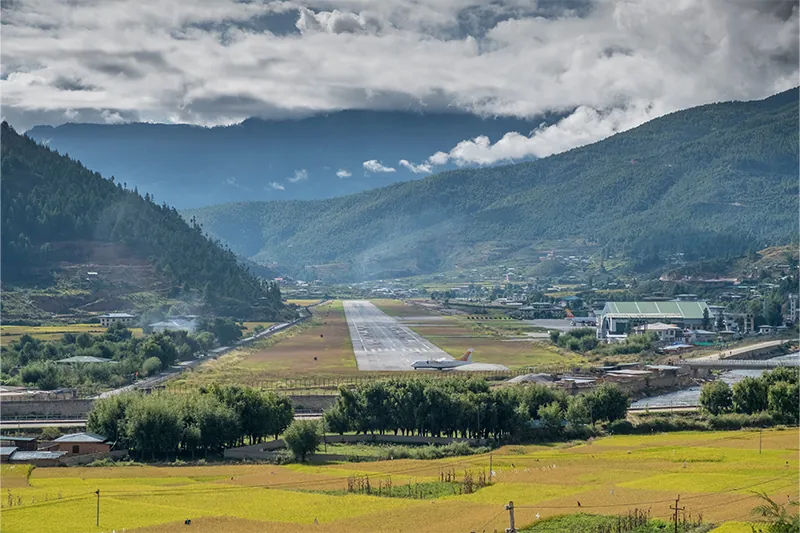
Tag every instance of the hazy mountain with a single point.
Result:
(61, 222)
(713, 180)
(190, 166)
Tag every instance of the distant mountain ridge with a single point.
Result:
(713, 180)
(190, 166)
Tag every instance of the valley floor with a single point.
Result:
(715, 474)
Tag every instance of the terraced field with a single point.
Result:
(714, 472)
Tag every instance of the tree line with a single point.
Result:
(30, 361)
(776, 392)
(469, 408)
(164, 425)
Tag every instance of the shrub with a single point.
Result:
(151, 366)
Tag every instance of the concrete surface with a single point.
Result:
(381, 342)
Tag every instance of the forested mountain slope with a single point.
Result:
(713, 180)
(299, 159)
(59, 217)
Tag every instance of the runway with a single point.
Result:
(381, 343)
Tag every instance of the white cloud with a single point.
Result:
(213, 62)
(343, 173)
(373, 165)
(299, 175)
(112, 117)
(335, 22)
(232, 182)
(277, 186)
(70, 114)
(422, 168)
(584, 126)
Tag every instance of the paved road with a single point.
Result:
(380, 342)
(732, 354)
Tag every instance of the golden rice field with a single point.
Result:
(714, 473)
(12, 333)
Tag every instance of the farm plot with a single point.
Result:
(10, 334)
(714, 472)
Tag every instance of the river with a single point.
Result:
(690, 397)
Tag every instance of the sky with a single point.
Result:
(606, 65)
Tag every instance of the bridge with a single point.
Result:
(739, 364)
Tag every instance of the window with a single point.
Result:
(76, 448)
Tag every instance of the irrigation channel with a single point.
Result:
(690, 397)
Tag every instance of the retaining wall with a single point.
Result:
(47, 408)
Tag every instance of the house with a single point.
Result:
(700, 336)
(666, 332)
(111, 318)
(619, 318)
(37, 458)
(20, 443)
(571, 301)
(81, 443)
(766, 330)
(5, 453)
(174, 324)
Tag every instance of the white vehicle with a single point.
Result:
(443, 363)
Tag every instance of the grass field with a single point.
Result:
(251, 326)
(288, 354)
(714, 472)
(12, 333)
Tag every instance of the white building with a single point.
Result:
(666, 332)
(111, 318)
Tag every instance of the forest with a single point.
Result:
(713, 181)
(51, 205)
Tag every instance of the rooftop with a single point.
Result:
(665, 310)
(7, 450)
(117, 315)
(81, 437)
(18, 439)
(31, 456)
(658, 326)
(84, 359)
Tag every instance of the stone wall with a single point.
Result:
(78, 409)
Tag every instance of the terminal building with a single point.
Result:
(618, 319)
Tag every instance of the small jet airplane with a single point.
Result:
(443, 363)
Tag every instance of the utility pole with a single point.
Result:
(676, 509)
(510, 509)
(97, 523)
(760, 437)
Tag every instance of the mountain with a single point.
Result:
(78, 242)
(714, 180)
(190, 166)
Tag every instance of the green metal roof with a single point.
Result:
(656, 310)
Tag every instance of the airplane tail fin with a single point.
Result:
(467, 357)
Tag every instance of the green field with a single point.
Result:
(714, 472)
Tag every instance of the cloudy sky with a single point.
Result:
(608, 64)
